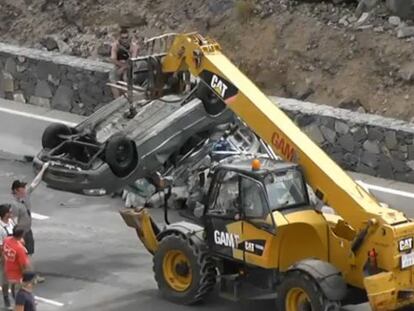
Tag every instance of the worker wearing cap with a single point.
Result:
(25, 300)
(22, 209)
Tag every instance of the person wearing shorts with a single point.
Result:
(122, 49)
(25, 300)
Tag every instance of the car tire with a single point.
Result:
(50, 137)
(121, 155)
(212, 103)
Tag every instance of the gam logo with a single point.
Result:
(283, 147)
(226, 239)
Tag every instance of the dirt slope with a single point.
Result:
(312, 51)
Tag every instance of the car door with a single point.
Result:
(258, 226)
(223, 223)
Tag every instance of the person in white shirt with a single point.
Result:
(6, 229)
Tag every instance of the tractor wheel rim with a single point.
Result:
(297, 300)
(177, 270)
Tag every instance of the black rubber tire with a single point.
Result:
(298, 279)
(212, 103)
(50, 137)
(121, 155)
(202, 267)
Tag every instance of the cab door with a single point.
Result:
(223, 216)
(258, 226)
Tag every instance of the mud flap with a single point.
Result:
(147, 230)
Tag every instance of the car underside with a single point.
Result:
(123, 142)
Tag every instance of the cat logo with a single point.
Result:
(249, 246)
(219, 86)
(222, 87)
(405, 244)
(226, 239)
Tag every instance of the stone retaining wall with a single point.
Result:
(358, 142)
(53, 80)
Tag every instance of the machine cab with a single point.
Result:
(243, 195)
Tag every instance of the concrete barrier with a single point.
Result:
(53, 80)
(22, 126)
(358, 142)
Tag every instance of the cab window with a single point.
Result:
(226, 194)
(285, 189)
(254, 202)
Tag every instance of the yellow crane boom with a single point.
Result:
(203, 58)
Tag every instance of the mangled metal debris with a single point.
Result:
(190, 173)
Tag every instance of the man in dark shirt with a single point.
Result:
(25, 300)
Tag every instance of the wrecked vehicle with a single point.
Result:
(187, 170)
(121, 143)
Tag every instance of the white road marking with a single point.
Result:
(39, 216)
(35, 116)
(362, 184)
(386, 190)
(49, 301)
(45, 300)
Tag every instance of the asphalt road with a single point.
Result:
(90, 259)
(25, 139)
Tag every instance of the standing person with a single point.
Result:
(16, 259)
(25, 300)
(6, 229)
(122, 49)
(22, 209)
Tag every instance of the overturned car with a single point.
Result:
(125, 141)
(189, 172)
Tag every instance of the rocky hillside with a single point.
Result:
(348, 54)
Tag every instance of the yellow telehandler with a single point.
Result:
(257, 233)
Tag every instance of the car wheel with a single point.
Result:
(121, 155)
(51, 136)
(212, 103)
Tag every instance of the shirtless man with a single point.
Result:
(122, 49)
